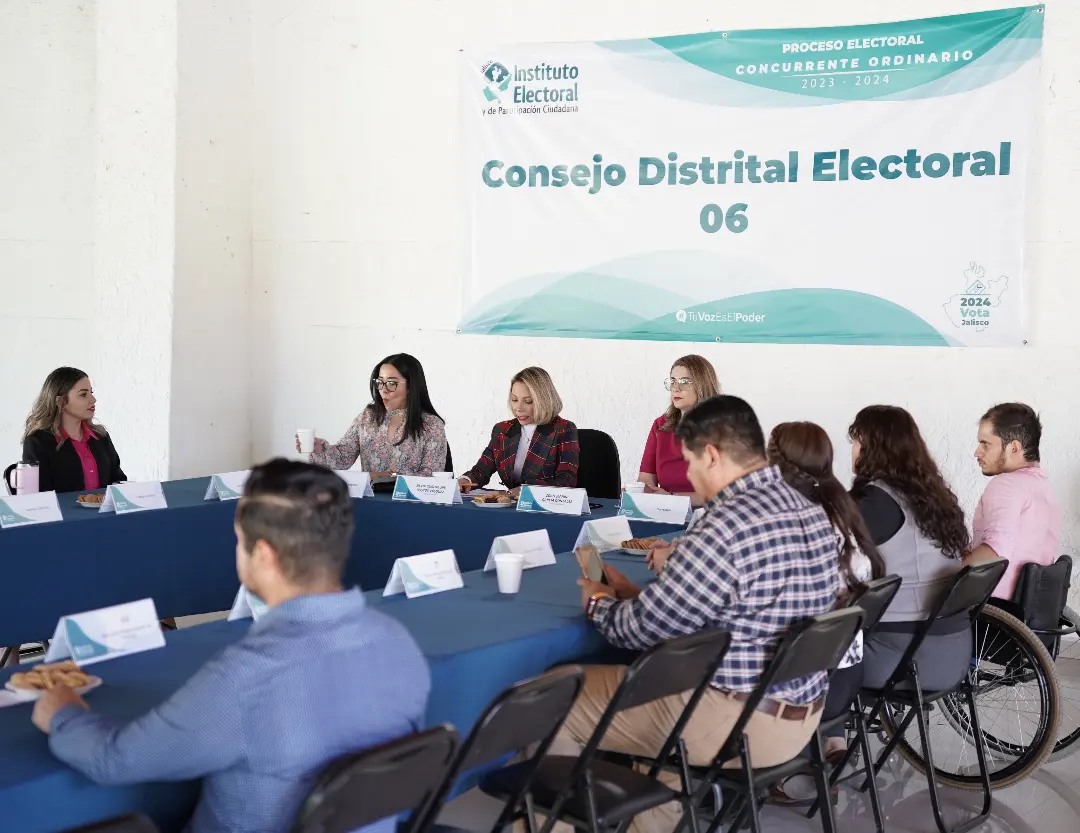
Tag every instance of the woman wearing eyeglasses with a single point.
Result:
(400, 432)
(663, 470)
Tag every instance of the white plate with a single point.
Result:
(494, 505)
(29, 694)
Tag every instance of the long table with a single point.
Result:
(495, 641)
(183, 556)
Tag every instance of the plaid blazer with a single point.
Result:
(552, 459)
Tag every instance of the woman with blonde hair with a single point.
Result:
(663, 470)
(535, 448)
(73, 453)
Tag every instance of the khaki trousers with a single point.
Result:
(643, 730)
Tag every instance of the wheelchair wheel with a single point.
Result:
(1015, 687)
(1067, 663)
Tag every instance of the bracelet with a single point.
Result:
(594, 600)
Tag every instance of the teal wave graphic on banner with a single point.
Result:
(575, 308)
(412, 582)
(402, 490)
(11, 517)
(527, 501)
(912, 59)
(82, 646)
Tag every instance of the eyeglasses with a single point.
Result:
(386, 384)
(678, 384)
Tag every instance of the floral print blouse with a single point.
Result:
(376, 450)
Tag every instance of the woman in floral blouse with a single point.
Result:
(399, 432)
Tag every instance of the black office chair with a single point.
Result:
(810, 647)
(599, 472)
(595, 794)
(135, 823)
(524, 717)
(388, 780)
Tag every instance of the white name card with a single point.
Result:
(227, 486)
(426, 490)
(550, 499)
(247, 606)
(422, 575)
(25, 510)
(667, 509)
(535, 546)
(605, 534)
(133, 497)
(107, 633)
(359, 483)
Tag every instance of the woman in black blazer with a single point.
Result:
(73, 453)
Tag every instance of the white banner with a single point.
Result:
(848, 185)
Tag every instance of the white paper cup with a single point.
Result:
(307, 439)
(634, 488)
(443, 475)
(508, 569)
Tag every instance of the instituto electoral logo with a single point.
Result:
(974, 308)
(542, 88)
(680, 316)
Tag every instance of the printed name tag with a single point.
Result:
(227, 486)
(668, 509)
(535, 546)
(247, 606)
(605, 534)
(427, 490)
(25, 510)
(133, 497)
(550, 499)
(359, 483)
(422, 575)
(107, 633)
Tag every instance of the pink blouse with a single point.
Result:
(91, 478)
(663, 457)
(376, 450)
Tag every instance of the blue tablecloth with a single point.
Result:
(495, 641)
(183, 556)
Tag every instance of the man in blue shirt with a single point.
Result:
(318, 676)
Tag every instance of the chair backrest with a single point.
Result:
(527, 715)
(969, 590)
(599, 470)
(1043, 591)
(449, 466)
(874, 599)
(135, 823)
(384, 781)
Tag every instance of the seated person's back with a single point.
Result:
(318, 676)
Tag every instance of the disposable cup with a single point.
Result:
(307, 439)
(508, 569)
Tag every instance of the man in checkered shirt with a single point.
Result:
(759, 559)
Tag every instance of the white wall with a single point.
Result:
(358, 240)
(47, 56)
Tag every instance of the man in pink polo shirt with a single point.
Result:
(1018, 517)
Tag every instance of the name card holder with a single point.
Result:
(426, 490)
(535, 546)
(227, 486)
(133, 497)
(107, 633)
(605, 534)
(26, 510)
(359, 483)
(422, 575)
(553, 500)
(667, 509)
(246, 605)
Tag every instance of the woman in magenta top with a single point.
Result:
(663, 470)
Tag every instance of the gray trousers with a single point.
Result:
(942, 659)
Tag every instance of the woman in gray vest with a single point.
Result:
(919, 529)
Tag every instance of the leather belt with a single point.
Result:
(777, 708)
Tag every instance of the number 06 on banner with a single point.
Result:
(713, 218)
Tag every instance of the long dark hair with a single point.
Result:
(894, 452)
(803, 453)
(418, 402)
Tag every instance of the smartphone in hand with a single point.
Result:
(592, 565)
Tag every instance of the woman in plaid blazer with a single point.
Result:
(535, 448)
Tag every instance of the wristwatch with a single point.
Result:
(590, 608)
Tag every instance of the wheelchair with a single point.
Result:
(1025, 676)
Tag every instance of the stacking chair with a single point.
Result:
(873, 600)
(599, 471)
(969, 591)
(810, 646)
(136, 823)
(593, 794)
(384, 781)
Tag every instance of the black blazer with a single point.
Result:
(59, 468)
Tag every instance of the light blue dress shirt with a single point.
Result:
(315, 678)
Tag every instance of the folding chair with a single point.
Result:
(384, 781)
(594, 794)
